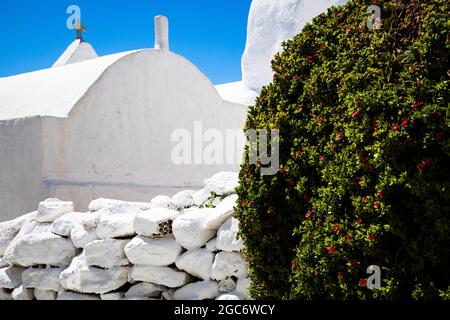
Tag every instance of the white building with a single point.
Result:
(270, 23)
(95, 127)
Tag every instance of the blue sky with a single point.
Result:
(210, 33)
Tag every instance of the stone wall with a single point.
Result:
(180, 248)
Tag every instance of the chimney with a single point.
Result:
(161, 33)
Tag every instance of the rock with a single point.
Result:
(190, 231)
(10, 229)
(51, 209)
(221, 213)
(223, 183)
(5, 295)
(216, 201)
(101, 203)
(155, 222)
(197, 263)
(211, 245)
(153, 252)
(242, 288)
(227, 285)
(22, 294)
(202, 290)
(168, 295)
(106, 253)
(228, 297)
(114, 296)
(227, 237)
(183, 199)
(201, 197)
(228, 264)
(81, 236)
(84, 279)
(3, 264)
(164, 276)
(116, 222)
(64, 225)
(72, 296)
(42, 279)
(44, 248)
(11, 277)
(162, 202)
(45, 295)
(145, 290)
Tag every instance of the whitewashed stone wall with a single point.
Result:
(180, 248)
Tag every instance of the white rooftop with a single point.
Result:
(51, 92)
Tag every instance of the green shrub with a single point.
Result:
(364, 174)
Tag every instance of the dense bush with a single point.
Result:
(364, 174)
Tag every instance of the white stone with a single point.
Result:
(223, 183)
(148, 223)
(106, 253)
(211, 245)
(73, 296)
(164, 276)
(45, 295)
(216, 201)
(227, 285)
(116, 222)
(44, 248)
(168, 295)
(228, 264)
(190, 230)
(153, 252)
(84, 279)
(3, 263)
(221, 213)
(227, 237)
(228, 297)
(64, 224)
(44, 279)
(11, 277)
(183, 199)
(5, 295)
(161, 202)
(145, 290)
(99, 204)
(81, 236)
(242, 288)
(10, 229)
(114, 296)
(202, 290)
(51, 209)
(200, 197)
(22, 294)
(197, 263)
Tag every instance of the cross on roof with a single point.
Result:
(80, 29)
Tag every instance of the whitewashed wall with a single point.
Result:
(21, 182)
(116, 142)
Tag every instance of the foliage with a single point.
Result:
(364, 174)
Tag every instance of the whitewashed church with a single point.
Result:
(93, 127)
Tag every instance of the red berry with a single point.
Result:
(440, 136)
(363, 283)
(336, 228)
(331, 250)
(417, 105)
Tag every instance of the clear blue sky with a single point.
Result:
(210, 33)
